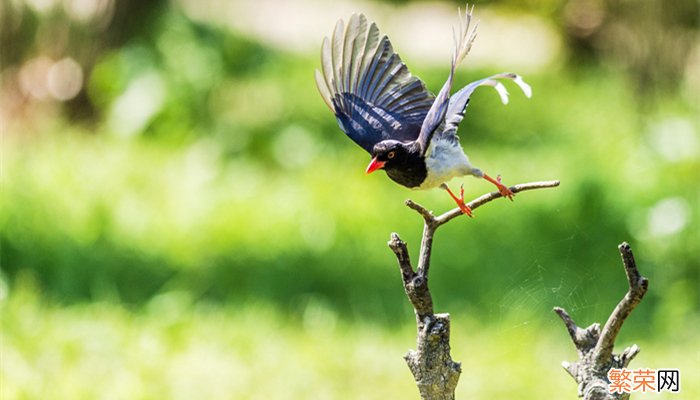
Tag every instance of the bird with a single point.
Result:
(409, 132)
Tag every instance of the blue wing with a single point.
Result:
(368, 87)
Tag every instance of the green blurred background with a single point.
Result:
(180, 216)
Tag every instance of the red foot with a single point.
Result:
(502, 189)
(460, 200)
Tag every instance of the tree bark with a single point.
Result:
(595, 348)
(431, 364)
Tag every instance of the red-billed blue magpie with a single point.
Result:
(409, 132)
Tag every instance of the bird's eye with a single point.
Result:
(391, 155)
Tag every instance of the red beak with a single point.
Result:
(374, 165)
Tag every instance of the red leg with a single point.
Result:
(459, 200)
(503, 189)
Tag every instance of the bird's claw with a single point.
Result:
(463, 206)
(502, 189)
(505, 191)
(465, 209)
(460, 201)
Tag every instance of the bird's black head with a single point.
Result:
(387, 154)
(403, 162)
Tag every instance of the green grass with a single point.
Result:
(174, 348)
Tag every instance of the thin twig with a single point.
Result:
(399, 248)
(431, 222)
(480, 201)
(584, 339)
(570, 324)
(426, 214)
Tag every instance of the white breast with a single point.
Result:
(444, 161)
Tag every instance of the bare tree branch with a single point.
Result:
(431, 222)
(595, 349)
(427, 215)
(435, 373)
(638, 286)
(582, 338)
(415, 285)
(480, 201)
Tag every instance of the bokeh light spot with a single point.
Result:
(294, 147)
(33, 77)
(668, 216)
(65, 79)
(675, 139)
(142, 99)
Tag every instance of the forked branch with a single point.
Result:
(435, 373)
(595, 349)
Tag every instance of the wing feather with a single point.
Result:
(337, 55)
(460, 100)
(401, 96)
(383, 64)
(368, 87)
(368, 53)
(389, 83)
(348, 47)
(323, 89)
(357, 52)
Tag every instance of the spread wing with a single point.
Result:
(448, 111)
(459, 101)
(438, 112)
(368, 87)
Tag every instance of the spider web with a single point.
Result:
(539, 284)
